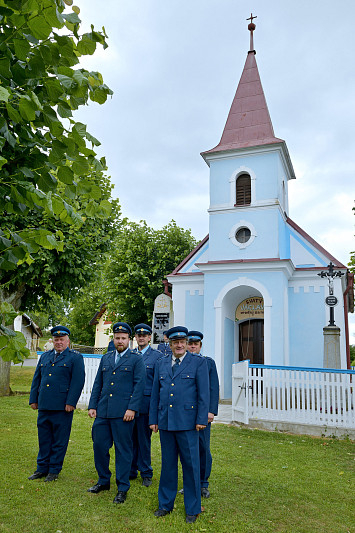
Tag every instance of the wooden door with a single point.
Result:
(251, 341)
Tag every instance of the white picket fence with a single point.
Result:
(295, 395)
(91, 363)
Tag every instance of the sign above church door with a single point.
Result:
(250, 308)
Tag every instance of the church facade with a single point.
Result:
(252, 285)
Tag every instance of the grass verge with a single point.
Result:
(261, 482)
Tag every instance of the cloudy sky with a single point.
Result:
(174, 67)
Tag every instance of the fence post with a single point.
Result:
(240, 392)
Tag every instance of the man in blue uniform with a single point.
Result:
(179, 410)
(115, 400)
(164, 347)
(194, 344)
(56, 387)
(141, 431)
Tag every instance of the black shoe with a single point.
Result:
(37, 475)
(146, 481)
(181, 491)
(51, 477)
(205, 493)
(161, 512)
(98, 488)
(191, 518)
(120, 497)
(133, 477)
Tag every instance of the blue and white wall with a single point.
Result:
(278, 263)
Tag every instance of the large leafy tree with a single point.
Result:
(140, 258)
(54, 197)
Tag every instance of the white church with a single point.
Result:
(252, 285)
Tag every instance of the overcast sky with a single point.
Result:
(174, 67)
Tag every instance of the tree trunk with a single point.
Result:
(5, 378)
(14, 299)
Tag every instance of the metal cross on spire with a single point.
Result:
(251, 28)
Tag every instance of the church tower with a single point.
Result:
(249, 173)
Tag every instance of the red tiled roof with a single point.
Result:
(95, 319)
(248, 123)
(193, 252)
(314, 243)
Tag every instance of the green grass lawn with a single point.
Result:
(261, 482)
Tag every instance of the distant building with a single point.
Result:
(103, 327)
(30, 330)
(252, 284)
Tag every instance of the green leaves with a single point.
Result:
(12, 343)
(140, 258)
(57, 213)
(87, 45)
(4, 94)
(27, 108)
(39, 27)
(16, 247)
(65, 175)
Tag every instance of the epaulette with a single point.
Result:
(75, 351)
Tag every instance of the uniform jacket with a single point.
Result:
(118, 387)
(60, 382)
(179, 403)
(214, 384)
(164, 348)
(150, 357)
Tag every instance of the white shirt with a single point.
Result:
(173, 359)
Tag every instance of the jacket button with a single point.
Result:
(112, 383)
(172, 384)
(47, 385)
(53, 364)
(170, 405)
(171, 394)
(110, 394)
(49, 374)
(192, 406)
(113, 373)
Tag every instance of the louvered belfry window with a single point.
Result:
(243, 190)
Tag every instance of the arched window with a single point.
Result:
(243, 190)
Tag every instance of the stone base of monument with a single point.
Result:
(331, 347)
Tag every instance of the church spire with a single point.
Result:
(248, 123)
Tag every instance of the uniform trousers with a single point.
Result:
(204, 437)
(53, 437)
(185, 445)
(142, 447)
(105, 433)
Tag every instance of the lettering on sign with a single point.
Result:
(250, 308)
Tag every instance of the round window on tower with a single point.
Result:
(243, 235)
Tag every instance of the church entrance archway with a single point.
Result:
(251, 341)
(227, 327)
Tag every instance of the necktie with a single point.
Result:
(56, 355)
(176, 365)
(117, 358)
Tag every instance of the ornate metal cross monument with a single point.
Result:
(331, 332)
(331, 300)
